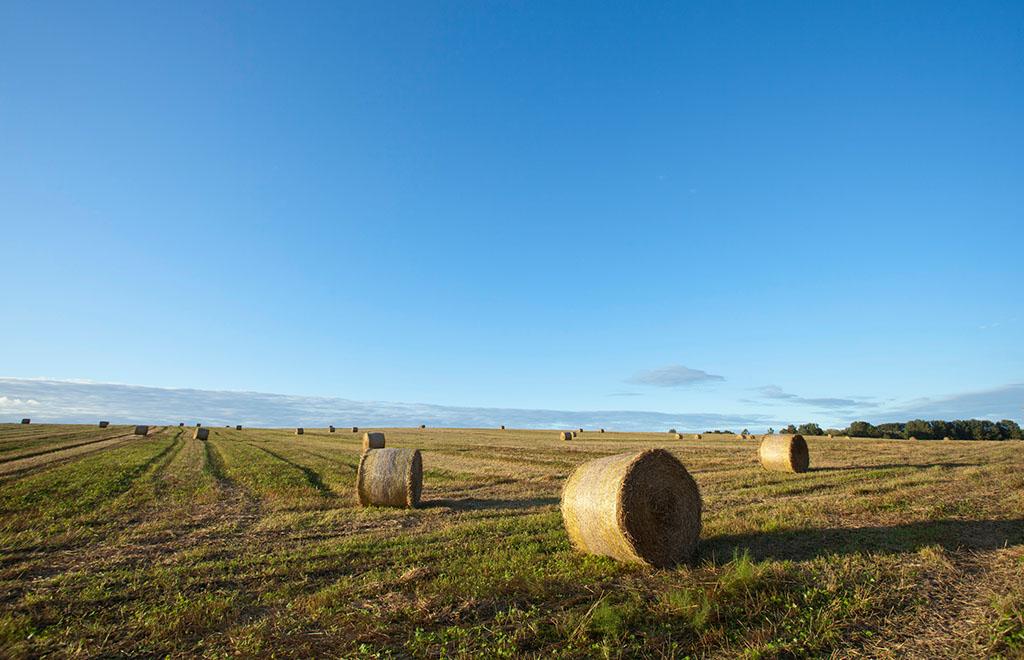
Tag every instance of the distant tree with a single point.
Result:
(918, 428)
(834, 432)
(789, 429)
(745, 432)
(890, 431)
(1010, 430)
(862, 430)
(809, 428)
(770, 430)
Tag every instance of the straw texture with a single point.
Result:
(565, 435)
(640, 508)
(784, 453)
(141, 430)
(201, 434)
(390, 477)
(373, 441)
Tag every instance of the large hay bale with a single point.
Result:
(355, 429)
(601, 431)
(784, 453)
(201, 434)
(330, 429)
(390, 477)
(698, 436)
(373, 440)
(679, 436)
(26, 420)
(947, 438)
(565, 435)
(580, 430)
(141, 430)
(641, 508)
(104, 425)
(181, 423)
(502, 427)
(238, 427)
(423, 426)
(299, 431)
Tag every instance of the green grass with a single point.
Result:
(252, 544)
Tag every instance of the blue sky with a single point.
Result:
(782, 211)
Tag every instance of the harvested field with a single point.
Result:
(253, 543)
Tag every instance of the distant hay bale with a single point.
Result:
(679, 436)
(601, 431)
(423, 426)
(574, 434)
(299, 430)
(181, 423)
(201, 434)
(565, 435)
(330, 429)
(698, 436)
(947, 438)
(104, 425)
(390, 477)
(373, 440)
(502, 427)
(198, 424)
(639, 508)
(141, 430)
(784, 453)
(912, 438)
(238, 427)
(830, 436)
(26, 420)
(355, 429)
(580, 430)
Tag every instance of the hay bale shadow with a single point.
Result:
(478, 504)
(806, 544)
(889, 466)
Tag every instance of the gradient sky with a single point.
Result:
(798, 211)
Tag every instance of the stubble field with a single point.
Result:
(252, 544)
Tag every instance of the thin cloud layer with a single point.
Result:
(1006, 402)
(71, 402)
(674, 375)
(774, 392)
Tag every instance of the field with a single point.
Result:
(251, 544)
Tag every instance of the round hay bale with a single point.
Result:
(330, 429)
(423, 426)
(574, 434)
(641, 508)
(299, 431)
(26, 420)
(565, 435)
(947, 438)
(104, 425)
(181, 423)
(390, 477)
(238, 427)
(141, 430)
(502, 427)
(601, 431)
(355, 429)
(912, 438)
(373, 441)
(679, 436)
(784, 453)
(201, 434)
(580, 430)
(698, 436)
(831, 437)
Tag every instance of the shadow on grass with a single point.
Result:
(890, 466)
(477, 504)
(804, 544)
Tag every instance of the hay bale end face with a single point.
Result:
(104, 425)
(299, 431)
(784, 453)
(698, 436)
(141, 430)
(373, 440)
(201, 434)
(26, 420)
(390, 477)
(640, 508)
(947, 438)
(565, 435)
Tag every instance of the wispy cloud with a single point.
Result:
(66, 401)
(1004, 402)
(626, 394)
(674, 375)
(776, 393)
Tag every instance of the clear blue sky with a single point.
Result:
(818, 205)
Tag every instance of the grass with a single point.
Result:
(251, 544)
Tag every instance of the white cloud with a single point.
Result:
(674, 375)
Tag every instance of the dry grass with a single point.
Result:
(253, 544)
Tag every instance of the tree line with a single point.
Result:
(958, 429)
